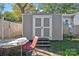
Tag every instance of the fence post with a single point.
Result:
(22, 32)
(9, 29)
(2, 21)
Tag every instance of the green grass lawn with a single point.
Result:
(67, 47)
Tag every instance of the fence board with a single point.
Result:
(11, 29)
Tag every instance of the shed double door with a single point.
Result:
(42, 26)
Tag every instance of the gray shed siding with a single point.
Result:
(27, 26)
(57, 27)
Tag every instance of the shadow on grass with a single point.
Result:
(65, 47)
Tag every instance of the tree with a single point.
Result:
(22, 8)
(59, 8)
(17, 12)
(25, 7)
(10, 16)
(69, 8)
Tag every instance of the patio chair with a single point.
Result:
(28, 48)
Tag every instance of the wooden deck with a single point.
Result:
(40, 52)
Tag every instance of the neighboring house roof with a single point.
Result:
(71, 14)
(68, 14)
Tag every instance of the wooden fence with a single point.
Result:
(9, 29)
(75, 32)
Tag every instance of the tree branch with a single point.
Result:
(19, 5)
(25, 5)
(21, 8)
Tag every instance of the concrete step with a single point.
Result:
(43, 42)
(43, 39)
(43, 45)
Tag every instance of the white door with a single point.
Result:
(42, 26)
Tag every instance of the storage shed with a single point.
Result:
(43, 26)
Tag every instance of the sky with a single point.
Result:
(8, 7)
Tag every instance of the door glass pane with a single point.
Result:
(38, 32)
(46, 32)
(38, 22)
(46, 22)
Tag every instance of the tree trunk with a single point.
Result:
(22, 8)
